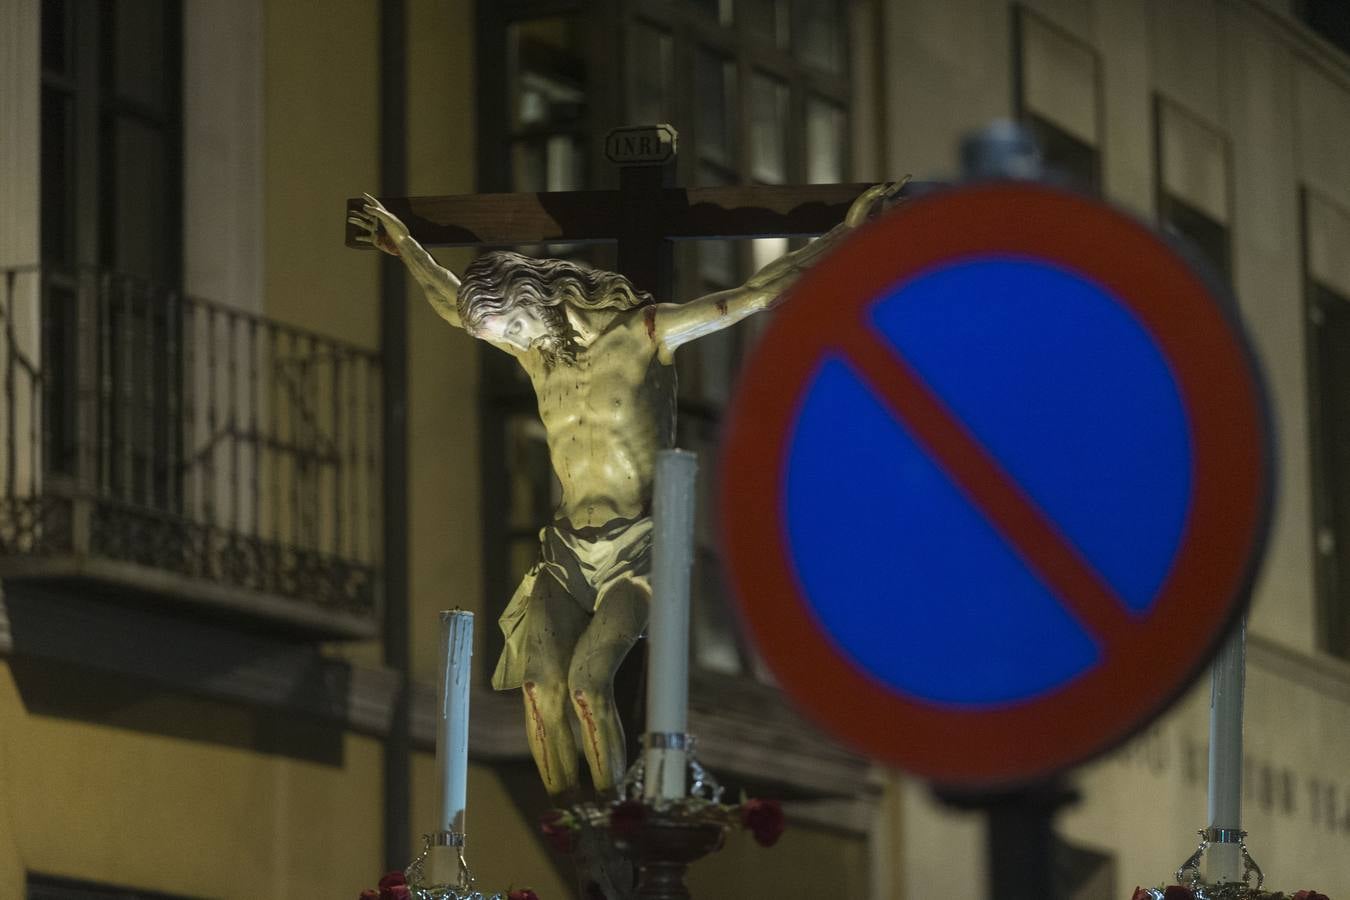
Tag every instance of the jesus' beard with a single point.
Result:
(560, 344)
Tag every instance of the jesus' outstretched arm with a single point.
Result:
(383, 229)
(676, 324)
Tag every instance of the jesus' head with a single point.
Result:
(520, 301)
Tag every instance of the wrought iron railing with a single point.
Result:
(145, 427)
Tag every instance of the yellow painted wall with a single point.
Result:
(116, 783)
(321, 137)
(445, 547)
(321, 96)
(806, 862)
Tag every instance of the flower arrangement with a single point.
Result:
(1234, 891)
(394, 886)
(762, 818)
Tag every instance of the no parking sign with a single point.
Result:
(995, 483)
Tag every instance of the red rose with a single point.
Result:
(764, 818)
(392, 879)
(522, 894)
(1178, 892)
(627, 817)
(1310, 895)
(1141, 894)
(370, 895)
(396, 892)
(556, 828)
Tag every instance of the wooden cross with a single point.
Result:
(643, 216)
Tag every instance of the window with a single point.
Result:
(1329, 18)
(111, 192)
(1191, 165)
(1057, 96)
(111, 136)
(758, 92)
(766, 102)
(1326, 274)
(543, 79)
(194, 444)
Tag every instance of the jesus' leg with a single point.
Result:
(553, 623)
(620, 615)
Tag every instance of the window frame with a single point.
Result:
(1331, 586)
(1036, 122)
(690, 29)
(1164, 200)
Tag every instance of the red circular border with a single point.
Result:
(1141, 671)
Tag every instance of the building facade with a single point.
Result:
(244, 466)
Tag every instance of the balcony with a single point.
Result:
(162, 448)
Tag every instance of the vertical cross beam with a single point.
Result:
(646, 157)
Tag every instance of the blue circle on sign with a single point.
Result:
(1062, 385)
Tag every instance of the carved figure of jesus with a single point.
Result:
(600, 355)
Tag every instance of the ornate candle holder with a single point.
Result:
(702, 786)
(1190, 886)
(442, 850)
(662, 836)
(1192, 865)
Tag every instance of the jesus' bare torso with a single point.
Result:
(600, 355)
(605, 416)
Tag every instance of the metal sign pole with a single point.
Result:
(1223, 862)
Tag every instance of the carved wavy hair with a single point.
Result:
(499, 281)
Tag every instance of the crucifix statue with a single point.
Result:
(599, 352)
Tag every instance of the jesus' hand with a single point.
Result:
(381, 228)
(873, 202)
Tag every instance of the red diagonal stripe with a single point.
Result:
(975, 471)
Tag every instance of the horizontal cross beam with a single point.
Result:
(587, 217)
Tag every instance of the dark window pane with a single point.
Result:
(531, 492)
(55, 36)
(706, 368)
(766, 19)
(1332, 336)
(1329, 18)
(649, 81)
(820, 28)
(58, 357)
(137, 201)
(713, 627)
(58, 183)
(139, 53)
(1067, 157)
(825, 137)
(1207, 235)
(547, 74)
(551, 163)
(714, 78)
(719, 10)
(717, 267)
(768, 129)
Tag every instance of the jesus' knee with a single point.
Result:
(592, 697)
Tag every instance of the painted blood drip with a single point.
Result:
(538, 729)
(649, 319)
(590, 723)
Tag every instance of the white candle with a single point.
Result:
(1223, 860)
(668, 659)
(452, 737)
